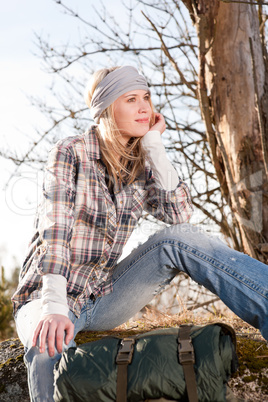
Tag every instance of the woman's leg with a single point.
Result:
(240, 281)
(39, 365)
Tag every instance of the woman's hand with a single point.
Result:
(159, 124)
(52, 329)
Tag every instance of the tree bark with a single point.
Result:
(233, 83)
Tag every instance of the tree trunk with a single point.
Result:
(233, 89)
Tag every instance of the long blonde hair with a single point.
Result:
(124, 163)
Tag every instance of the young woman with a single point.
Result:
(96, 186)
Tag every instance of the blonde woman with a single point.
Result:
(96, 186)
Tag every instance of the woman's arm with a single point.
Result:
(54, 325)
(54, 224)
(168, 196)
(165, 175)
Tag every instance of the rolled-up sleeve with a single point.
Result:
(169, 206)
(56, 214)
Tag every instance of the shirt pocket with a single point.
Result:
(91, 217)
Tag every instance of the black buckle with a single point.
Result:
(186, 351)
(125, 353)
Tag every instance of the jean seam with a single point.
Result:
(226, 269)
(212, 261)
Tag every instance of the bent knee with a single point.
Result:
(33, 355)
(181, 230)
(189, 235)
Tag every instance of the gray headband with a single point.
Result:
(115, 84)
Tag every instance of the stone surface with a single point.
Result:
(13, 376)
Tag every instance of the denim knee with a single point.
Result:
(40, 368)
(190, 235)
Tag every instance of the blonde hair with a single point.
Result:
(124, 163)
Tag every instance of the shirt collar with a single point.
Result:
(92, 143)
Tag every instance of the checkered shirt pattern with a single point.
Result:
(80, 230)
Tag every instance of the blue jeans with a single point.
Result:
(240, 281)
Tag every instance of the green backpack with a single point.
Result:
(189, 363)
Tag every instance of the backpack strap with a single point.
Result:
(187, 359)
(123, 359)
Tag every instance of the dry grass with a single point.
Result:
(152, 318)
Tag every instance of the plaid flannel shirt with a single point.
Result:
(80, 230)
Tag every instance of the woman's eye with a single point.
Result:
(147, 98)
(131, 100)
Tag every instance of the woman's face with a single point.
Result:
(132, 113)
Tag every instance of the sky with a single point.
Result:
(22, 76)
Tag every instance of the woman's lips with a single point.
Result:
(145, 121)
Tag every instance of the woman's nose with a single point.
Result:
(144, 106)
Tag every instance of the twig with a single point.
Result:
(36, 143)
(206, 303)
(167, 53)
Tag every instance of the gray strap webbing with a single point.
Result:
(123, 359)
(186, 356)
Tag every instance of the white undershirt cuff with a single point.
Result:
(54, 295)
(164, 173)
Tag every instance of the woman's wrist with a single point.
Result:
(152, 138)
(54, 295)
(55, 308)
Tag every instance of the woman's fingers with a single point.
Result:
(51, 335)
(69, 329)
(43, 336)
(159, 124)
(51, 330)
(36, 333)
